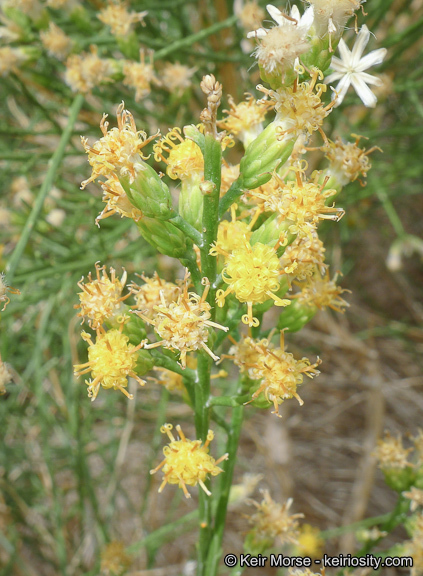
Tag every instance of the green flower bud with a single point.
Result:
(263, 156)
(191, 202)
(399, 479)
(149, 194)
(271, 231)
(165, 237)
(296, 316)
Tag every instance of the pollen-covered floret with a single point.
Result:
(187, 462)
(391, 453)
(86, 71)
(121, 22)
(299, 109)
(56, 42)
(321, 292)
(152, 293)
(306, 253)
(302, 203)
(252, 273)
(117, 202)
(272, 520)
(280, 373)
(176, 77)
(140, 75)
(347, 160)
(119, 150)
(245, 120)
(279, 47)
(111, 359)
(184, 158)
(183, 325)
(101, 298)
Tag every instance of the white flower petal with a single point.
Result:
(360, 44)
(371, 59)
(344, 52)
(363, 91)
(295, 13)
(338, 65)
(276, 14)
(307, 18)
(260, 33)
(341, 90)
(369, 79)
(334, 77)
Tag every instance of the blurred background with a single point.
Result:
(76, 496)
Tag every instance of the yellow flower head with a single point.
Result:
(5, 376)
(115, 561)
(322, 292)
(4, 288)
(152, 293)
(117, 202)
(119, 150)
(187, 462)
(121, 22)
(347, 161)
(280, 374)
(245, 119)
(299, 109)
(140, 75)
(310, 543)
(183, 325)
(272, 520)
(176, 78)
(304, 255)
(302, 203)
(56, 42)
(391, 453)
(100, 298)
(110, 360)
(252, 273)
(87, 71)
(246, 353)
(184, 158)
(416, 497)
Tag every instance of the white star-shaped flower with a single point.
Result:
(350, 69)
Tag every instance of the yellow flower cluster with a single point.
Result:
(119, 151)
(183, 325)
(152, 293)
(101, 298)
(245, 120)
(111, 359)
(252, 273)
(184, 158)
(187, 462)
(86, 71)
(279, 372)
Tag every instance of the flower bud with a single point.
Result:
(272, 231)
(263, 156)
(191, 202)
(296, 316)
(149, 194)
(164, 236)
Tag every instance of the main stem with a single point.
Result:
(212, 173)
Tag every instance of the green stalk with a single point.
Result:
(215, 549)
(46, 186)
(212, 173)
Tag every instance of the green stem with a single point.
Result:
(231, 196)
(215, 549)
(212, 173)
(46, 186)
(185, 227)
(231, 401)
(198, 37)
